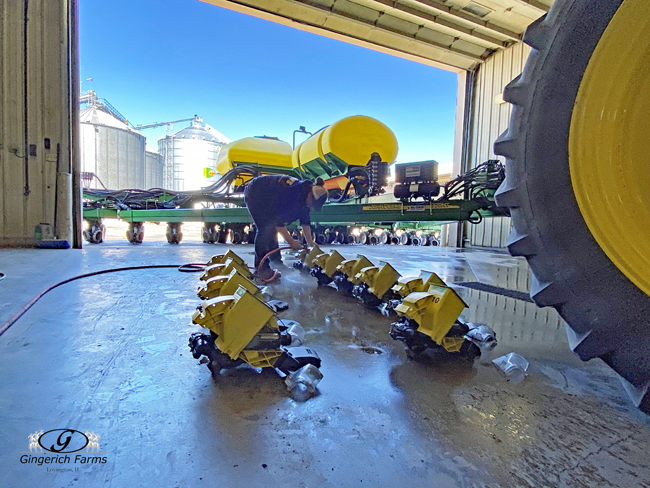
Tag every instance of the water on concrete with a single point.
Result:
(108, 354)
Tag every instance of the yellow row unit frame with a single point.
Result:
(236, 320)
(430, 320)
(325, 266)
(222, 258)
(412, 284)
(306, 258)
(346, 272)
(435, 311)
(225, 269)
(407, 285)
(244, 329)
(224, 285)
(375, 283)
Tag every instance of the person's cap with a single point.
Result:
(320, 196)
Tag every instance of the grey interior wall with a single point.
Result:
(490, 119)
(35, 150)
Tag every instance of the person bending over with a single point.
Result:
(275, 201)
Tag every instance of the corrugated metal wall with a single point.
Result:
(505, 314)
(490, 119)
(35, 67)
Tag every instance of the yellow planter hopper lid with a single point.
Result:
(263, 151)
(354, 139)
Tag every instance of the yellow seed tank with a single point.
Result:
(348, 142)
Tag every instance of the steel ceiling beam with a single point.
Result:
(337, 13)
(276, 9)
(459, 14)
(538, 5)
(436, 19)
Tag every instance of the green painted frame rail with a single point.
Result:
(341, 214)
(99, 213)
(443, 211)
(177, 215)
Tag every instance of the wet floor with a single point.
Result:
(108, 354)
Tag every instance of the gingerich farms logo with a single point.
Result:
(64, 449)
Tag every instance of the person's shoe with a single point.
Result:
(279, 264)
(268, 275)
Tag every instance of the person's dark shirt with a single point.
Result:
(278, 200)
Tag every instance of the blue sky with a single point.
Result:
(159, 60)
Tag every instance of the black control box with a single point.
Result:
(421, 171)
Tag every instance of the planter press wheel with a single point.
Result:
(576, 181)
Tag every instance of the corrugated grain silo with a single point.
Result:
(188, 152)
(153, 170)
(111, 150)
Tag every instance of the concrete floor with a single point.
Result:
(109, 354)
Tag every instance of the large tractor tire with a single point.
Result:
(577, 181)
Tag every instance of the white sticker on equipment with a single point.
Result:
(412, 171)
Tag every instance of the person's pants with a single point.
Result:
(266, 240)
(276, 257)
(266, 236)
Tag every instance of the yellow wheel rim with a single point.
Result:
(609, 142)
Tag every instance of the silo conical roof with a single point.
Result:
(202, 132)
(98, 116)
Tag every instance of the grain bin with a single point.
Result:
(111, 150)
(187, 153)
(153, 170)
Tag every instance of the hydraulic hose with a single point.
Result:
(343, 195)
(184, 268)
(266, 256)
